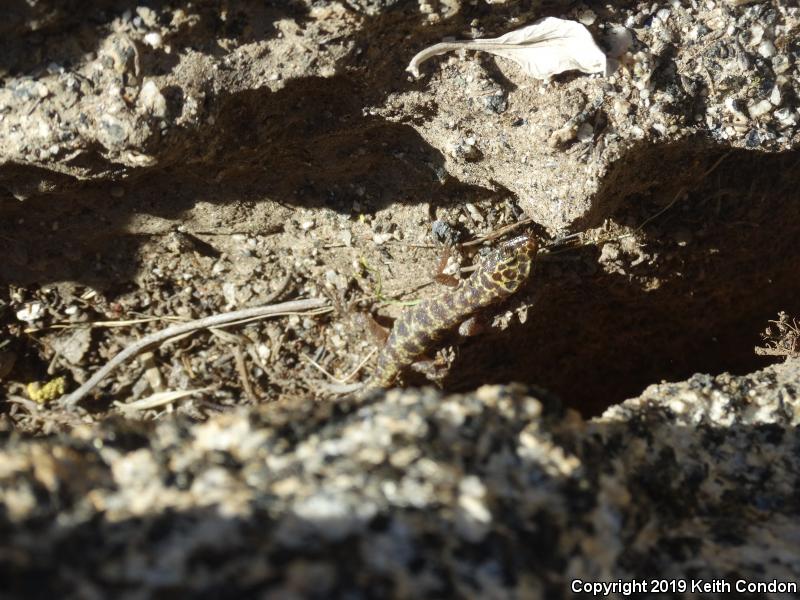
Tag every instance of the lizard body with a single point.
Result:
(499, 274)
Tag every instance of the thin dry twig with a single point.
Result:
(93, 324)
(154, 339)
(500, 231)
(28, 405)
(781, 338)
(241, 368)
(352, 374)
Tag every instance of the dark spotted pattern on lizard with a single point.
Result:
(499, 274)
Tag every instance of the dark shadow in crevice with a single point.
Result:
(718, 264)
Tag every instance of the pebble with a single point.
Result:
(781, 64)
(767, 49)
(495, 103)
(587, 17)
(759, 109)
(444, 233)
(775, 96)
(31, 312)
(786, 117)
(622, 106)
(756, 33)
(381, 238)
(153, 39)
(152, 100)
(335, 279)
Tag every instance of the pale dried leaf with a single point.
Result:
(546, 48)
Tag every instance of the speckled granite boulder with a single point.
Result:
(492, 494)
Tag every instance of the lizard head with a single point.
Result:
(509, 265)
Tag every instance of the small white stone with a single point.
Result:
(381, 238)
(767, 49)
(30, 313)
(229, 293)
(587, 17)
(152, 100)
(473, 211)
(153, 39)
(335, 279)
(781, 64)
(759, 108)
(775, 96)
(43, 129)
(621, 106)
(756, 33)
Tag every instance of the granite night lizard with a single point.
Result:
(499, 274)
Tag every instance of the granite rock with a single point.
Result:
(499, 493)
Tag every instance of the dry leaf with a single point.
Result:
(543, 49)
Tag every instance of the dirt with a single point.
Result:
(145, 182)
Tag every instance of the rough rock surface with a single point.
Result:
(154, 88)
(174, 160)
(493, 494)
